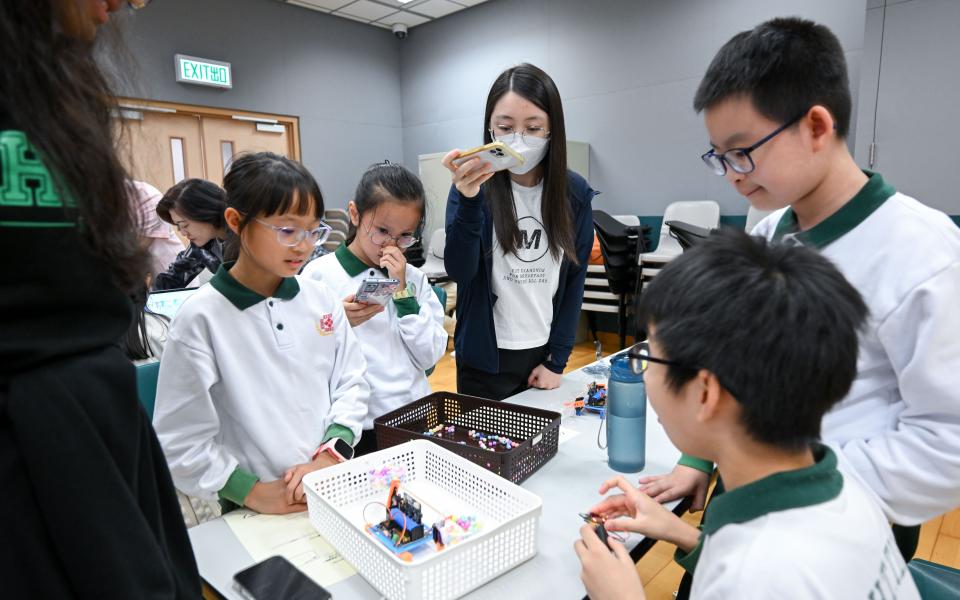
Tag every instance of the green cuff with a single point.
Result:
(696, 463)
(338, 431)
(689, 561)
(238, 486)
(406, 306)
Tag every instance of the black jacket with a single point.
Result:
(189, 264)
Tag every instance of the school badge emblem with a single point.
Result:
(325, 324)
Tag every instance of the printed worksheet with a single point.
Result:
(292, 537)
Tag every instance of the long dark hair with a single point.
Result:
(387, 181)
(197, 199)
(262, 184)
(53, 91)
(536, 86)
(135, 343)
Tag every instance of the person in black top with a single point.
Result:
(195, 207)
(89, 507)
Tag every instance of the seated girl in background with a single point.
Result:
(404, 337)
(195, 207)
(262, 377)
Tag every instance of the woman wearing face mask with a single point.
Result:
(518, 244)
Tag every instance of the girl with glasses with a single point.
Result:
(261, 380)
(404, 337)
(518, 243)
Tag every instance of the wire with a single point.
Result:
(369, 504)
(603, 417)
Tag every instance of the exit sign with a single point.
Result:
(203, 71)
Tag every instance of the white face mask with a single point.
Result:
(532, 149)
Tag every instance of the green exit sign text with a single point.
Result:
(203, 71)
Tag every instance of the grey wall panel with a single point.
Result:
(341, 78)
(917, 126)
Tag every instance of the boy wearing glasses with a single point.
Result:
(791, 524)
(777, 107)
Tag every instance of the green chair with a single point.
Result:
(147, 385)
(935, 582)
(442, 296)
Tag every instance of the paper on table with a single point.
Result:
(294, 538)
(566, 434)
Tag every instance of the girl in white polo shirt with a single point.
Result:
(262, 377)
(405, 337)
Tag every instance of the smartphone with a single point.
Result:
(277, 579)
(377, 291)
(497, 154)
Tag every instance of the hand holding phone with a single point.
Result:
(498, 155)
(470, 169)
(377, 290)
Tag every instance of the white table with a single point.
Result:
(567, 484)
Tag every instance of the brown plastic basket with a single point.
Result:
(538, 431)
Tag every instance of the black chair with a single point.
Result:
(686, 234)
(415, 255)
(620, 246)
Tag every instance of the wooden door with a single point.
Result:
(162, 148)
(225, 138)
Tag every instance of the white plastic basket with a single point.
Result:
(510, 520)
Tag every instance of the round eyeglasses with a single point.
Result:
(380, 237)
(291, 236)
(508, 136)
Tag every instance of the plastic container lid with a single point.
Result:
(620, 370)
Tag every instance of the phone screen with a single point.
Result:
(277, 579)
(377, 290)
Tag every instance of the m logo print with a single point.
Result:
(533, 244)
(534, 240)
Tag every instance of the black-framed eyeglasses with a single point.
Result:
(640, 358)
(739, 159)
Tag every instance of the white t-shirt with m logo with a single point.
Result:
(525, 283)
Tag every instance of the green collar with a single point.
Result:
(243, 297)
(811, 485)
(870, 197)
(350, 263)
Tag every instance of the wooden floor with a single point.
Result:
(939, 538)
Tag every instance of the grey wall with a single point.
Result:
(627, 71)
(341, 78)
(918, 112)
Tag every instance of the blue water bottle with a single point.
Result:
(626, 417)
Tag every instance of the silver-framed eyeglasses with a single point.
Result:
(739, 159)
(508, 136)
(291, 236)
(380, 237)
